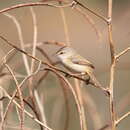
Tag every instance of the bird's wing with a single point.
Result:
(81, 61)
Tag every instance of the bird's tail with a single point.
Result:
(96, 83)
(94, 80)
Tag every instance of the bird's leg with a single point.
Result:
(68, 75)
(88, 80)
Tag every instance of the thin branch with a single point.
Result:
(19, 30)
(41, 107)
(55, 43)
(122, 53)
(30, 86)
(91, 22)
(1, 108)
(18, 89)
(67, 38)
(122, 118)
(91, 106)
(34, 37)
(91, 11)
(104, 127)
(21, 84)
(21, 100)
(9, 59)
(18, 86)
(112, 68)
(80, 98)
(112, 50)
(117, 121)
(35, 31)
(44, 54)
(35, 112)
(71, 89)
(35, 4)
(111, 98)
(65, 92)
(26, 112)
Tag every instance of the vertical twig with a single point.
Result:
(67, 38)
(34, 37)
(78, 91)
(80, 98)
(19, 30)
(66, 103)
(67, 84)
(112, 69)
(1, 109)
(92, 110)
(41, 108)
(33, 54)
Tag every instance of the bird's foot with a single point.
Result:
(88, 80)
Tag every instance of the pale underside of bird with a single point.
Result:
(71, 59)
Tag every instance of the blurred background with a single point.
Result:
(84, 39)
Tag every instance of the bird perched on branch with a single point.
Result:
(72, 60)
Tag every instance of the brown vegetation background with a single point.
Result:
(90, 37)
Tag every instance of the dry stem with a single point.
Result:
(113, 63)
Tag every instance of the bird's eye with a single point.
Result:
(61, 53)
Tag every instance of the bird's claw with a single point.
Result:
(88, 80)
(68, 75)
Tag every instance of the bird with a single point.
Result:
(75, 62)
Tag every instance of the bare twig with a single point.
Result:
(117, 121)
(91, 22)
(72, 90)
(18, 89)
(1, 108)
(65, 26)
(122, 118)
(30, 86)
(8, 60)
(34, 37)
(36, 4)
(122, 53)
(65, 92)
(26, 112)
(41, 107)
(92, 110)
(113, 62)
(55, 43)
(93, 12)
(104, 127)
(21, 100)
(32, 108)
(19, 30)
(80, 98)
